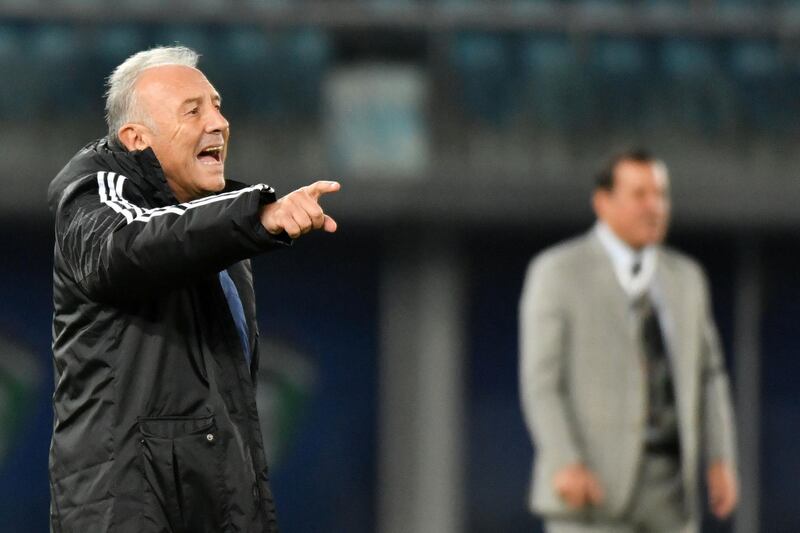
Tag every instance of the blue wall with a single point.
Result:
(321, 297)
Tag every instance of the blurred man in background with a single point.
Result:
(622, 379)
(155, 339)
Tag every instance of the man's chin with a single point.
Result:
(214, 181)
(653, 238)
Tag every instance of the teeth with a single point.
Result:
(212, 149)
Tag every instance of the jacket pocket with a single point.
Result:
(182, 469)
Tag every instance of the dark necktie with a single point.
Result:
(651, 329)
(237, 311)
(637, 266)
(662, 422)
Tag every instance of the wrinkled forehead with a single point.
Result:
(641, 173)
(173, 83)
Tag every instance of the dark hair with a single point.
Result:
(604, 179)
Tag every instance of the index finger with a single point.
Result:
(318, 188)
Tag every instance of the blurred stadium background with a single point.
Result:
(465, 134)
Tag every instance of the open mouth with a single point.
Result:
(210, 155)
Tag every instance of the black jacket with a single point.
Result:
(155, 423)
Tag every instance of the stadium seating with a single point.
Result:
(302, 64)
(16, 97)
(271, 74)
(550, 81)
(57, 70)
(108, 47)
(764, 96)
(555, 92)
(483, 76)
(695, 91)
(247, 76)
(620, 70)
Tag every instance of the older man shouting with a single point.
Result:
(154, 331)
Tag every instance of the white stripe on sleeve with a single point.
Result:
(101, 184)
(110, 186)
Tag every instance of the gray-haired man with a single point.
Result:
(154, 331)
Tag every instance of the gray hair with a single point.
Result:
(121, 105)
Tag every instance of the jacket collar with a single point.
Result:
(139, 166)
(623, 258)
(143, 166)
(149, 170)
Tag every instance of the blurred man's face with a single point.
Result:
(187, 131)
(637, 207)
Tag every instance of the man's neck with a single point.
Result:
(623, 258)
(614, 243)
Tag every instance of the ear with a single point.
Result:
(134, 136)
(599, 202)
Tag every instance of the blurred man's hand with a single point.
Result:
(299, 211)
(723, 492)
(578, 486)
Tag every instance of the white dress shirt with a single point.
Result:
(623, 259)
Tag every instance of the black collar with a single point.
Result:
(142, 165)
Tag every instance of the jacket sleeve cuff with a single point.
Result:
(267, 196)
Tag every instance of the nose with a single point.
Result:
(657, 203)
(217, 122)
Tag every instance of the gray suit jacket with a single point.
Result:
(582, 378)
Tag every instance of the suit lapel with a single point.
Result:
(670, 294)
(666, 294)
(607, 295)
(609, 292)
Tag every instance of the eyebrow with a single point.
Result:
(199, 99)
